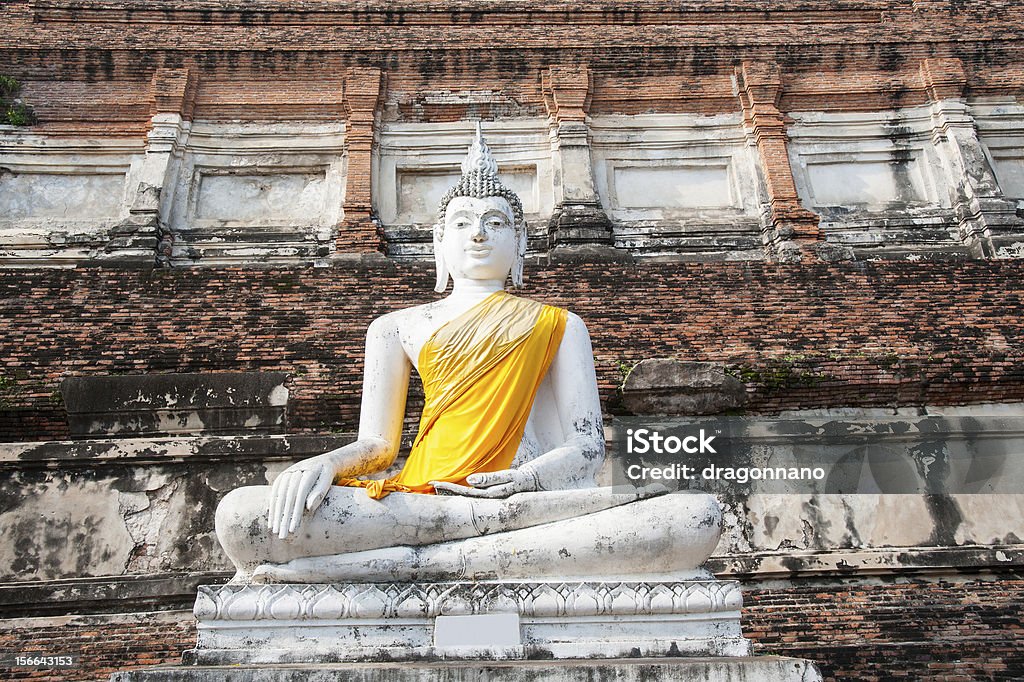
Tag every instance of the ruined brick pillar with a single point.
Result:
(578, 218)
(790, 231)
(144, 235)
(359, 231)
(988, 222)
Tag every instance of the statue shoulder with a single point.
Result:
(393, 322)
(382, 327)
(574, 320)
(399, 322)
(575, 327)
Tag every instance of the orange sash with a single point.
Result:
(480, 372)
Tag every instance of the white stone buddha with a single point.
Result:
(500, 483)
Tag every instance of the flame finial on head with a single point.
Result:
(479, 158)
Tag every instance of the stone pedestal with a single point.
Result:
(414, 621)
(553, 630)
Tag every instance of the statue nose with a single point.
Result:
(479, 232)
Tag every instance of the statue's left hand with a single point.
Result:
(301, 487)
(493, 484)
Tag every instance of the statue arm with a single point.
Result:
(382, 410)
(576, 460)
(302, 487)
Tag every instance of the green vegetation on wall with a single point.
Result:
(13, 111)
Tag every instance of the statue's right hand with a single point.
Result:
(301, 487)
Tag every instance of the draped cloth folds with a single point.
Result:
(481, 372)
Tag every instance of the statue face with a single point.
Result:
(479, 239)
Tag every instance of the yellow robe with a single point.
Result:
(480, 372)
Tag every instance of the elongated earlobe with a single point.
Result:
(517, 265)
(442, 270)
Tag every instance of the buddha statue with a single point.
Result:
(500, 481)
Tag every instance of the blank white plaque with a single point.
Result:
(485, 630)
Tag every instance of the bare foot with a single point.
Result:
(268, 574)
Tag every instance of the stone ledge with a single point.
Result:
(106, 595)
(103, 595)
(167, 449)
(738, 669)
(870, 561)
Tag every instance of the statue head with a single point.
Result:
(480, 231)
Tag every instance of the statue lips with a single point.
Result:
(479, 252)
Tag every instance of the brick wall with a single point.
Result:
(896, 333)
(956, 628)
(101, 644)
(276, 63)
(935, 629)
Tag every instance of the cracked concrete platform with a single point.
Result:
(732, 669)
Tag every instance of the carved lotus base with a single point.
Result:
(253, 624)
